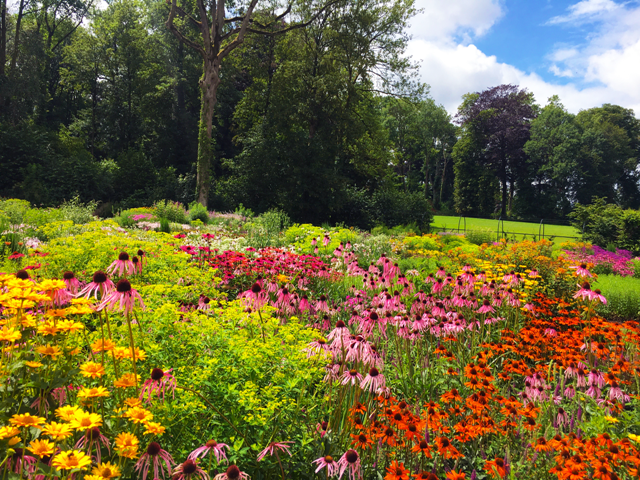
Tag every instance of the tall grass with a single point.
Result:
(622, 294)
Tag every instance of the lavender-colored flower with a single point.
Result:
(273, 447)
(255, 297)
(211, 446)
(351, 376)
(72, 283)
(155, 456)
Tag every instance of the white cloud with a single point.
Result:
(586, 10)
(605, 69)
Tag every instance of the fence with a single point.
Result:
(501, 232)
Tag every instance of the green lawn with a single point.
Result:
(523, 229)
(622, 294)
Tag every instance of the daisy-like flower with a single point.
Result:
(52, 351)
(273, 448)
(486, 307)
(397, 471)
(26, 420)
(352, 377)
(19, 462)
(350, 462)
(68, 412)
(106, 470)
(127, 380)
(255, 297)
(373, 381)
(93, 437)
(41, 448)
(72, 283)
(71, 459)
(82, 421)
(211, 446)
(127, 445)
(232, 473)
(123, 265)
(153, 428)
(581, 270)
(99, 283)
(329, 463)
(94, 392)
(8, 432)
(124, 297)
(92, 370)
(138, 415)
(155, 456)
(496, 467)
(159, 382)
(189, 469)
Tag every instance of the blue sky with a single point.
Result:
(587, 52)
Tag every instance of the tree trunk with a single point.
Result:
(445, 161)
(16, 41)
(209, 84)
(3, 36)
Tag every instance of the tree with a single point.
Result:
(499, 118)
(219, 36)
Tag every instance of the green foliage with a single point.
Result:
(480, 236)
(197, 211)
(265, 230)
(172, 211)
(622, 294)
(165, 225)
(77, 211)
(14, 210)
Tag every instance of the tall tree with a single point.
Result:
(500, 118)
(218, 35)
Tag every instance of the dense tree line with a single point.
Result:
(317, 113)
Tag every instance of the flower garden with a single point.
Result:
(206, 353)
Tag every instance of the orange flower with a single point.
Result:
(496, 467)
(453, 475)
(396, 471)
(423, 447)
(362, 441)
(446, 449)
(389, 436)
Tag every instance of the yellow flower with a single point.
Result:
(94, 392)
(28, 321)
(138, 415)
(127, 445)
(100, 346)
(140, 354)
(133, 402)
(80, 310)
(57, 313)
(85, 420)
(51, 285)
(71, 459)
(57, 431)
(634, 437)
(8, 432)
(49, 351)
(81, 301)
(41, 447)
(33, 364)
(106, 470)
(9, 335)
(127, 380)
(153, 428)
(70, 326)
(92, 370)
(48, 328)
(26, 420)
(68, 412)
(611, 419)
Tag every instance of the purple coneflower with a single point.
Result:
(73, 285)
(159, 382)
(350, 461)
(352, 377)
(204, 303)
(486, 307)
(122, 298)
(211, 446)
(373, 381)
(255, 297)
(188, 469)
(154, 455)
(232, 473)
(93, 436)
(20, 462)
(329, 463)
(273, 448)
(99, 283)
(123, 265)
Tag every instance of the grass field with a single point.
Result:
(520, 229)
(623, 296)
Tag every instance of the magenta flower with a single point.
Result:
(373, 381)
(122, 298)
(188, 469)
(581, 270)
(486, 307)
(123, 265)
(352, 377)
(21, 463)
(159, 382)
(99, 283)
(93, 438)
(72, 283)
(329, 463)
(273, 448)
(350, 461)
(255, 297)
(211, 446)
(232, 473)
(155, 456)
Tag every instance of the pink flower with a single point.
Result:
(352, 377)
(329, 463)
(232, 473)
(581, 270)
(486, 307)
(273, 447)
(122, 298)
(326, 240)
(373, 381)
(211, 446)
(189, 468)
(155, 456)
(21, 463)
(159, 382)
(72, 283)
(255, 297)
(100, 283)
(93, 437)
(350, 461)
(122, 265)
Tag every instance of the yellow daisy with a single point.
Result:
(41, 448)
(52, 351)
(71, 459)
(127, 445)
(138, 415)
(8, 432)
(68, 412)
(92, 370)
(57, 431)
(153, 428)
(26, 420)
(127, 380)
(85, 420)
(106, 470)
(94, 392)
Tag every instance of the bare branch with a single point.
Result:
(204, 27)
(183, 13)
(241, 33)
(172, 28)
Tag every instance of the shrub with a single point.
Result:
(622, 294)
(265, 230)
(78, 212)
(14, 209)
(197, 211)
(165, 226)
(480, 236)
(172, 211)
